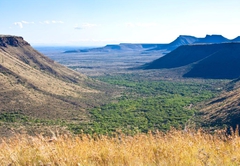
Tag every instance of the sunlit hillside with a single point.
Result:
(222, 110)
(34, 85)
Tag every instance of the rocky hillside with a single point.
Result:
(37, 86)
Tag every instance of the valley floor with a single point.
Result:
(140, 100)
(139, 118)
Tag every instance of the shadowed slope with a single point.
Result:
(225, 63)
(207, 60)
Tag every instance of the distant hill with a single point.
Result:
(119, 47)
(37, 86)
(182, 40)
(223, 110)
(237, 39)
(166, 47)
(141, 47)
(213, 39)
(206, 60)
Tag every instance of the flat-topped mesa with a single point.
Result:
(14, 41)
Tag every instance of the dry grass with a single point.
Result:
(224, 108)
(173, 148)
(40, 87)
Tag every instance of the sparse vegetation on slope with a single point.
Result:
(40, 87)
(222, 111)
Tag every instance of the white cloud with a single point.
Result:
(78, 27)
(150, 24)
(51, 22)
(26, 22)
(19, 24)
(85, 26)
(57, 22)
(129, 24)
(46, 22)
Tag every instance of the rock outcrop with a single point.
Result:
(14, 41)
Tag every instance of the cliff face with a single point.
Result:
(14, 41)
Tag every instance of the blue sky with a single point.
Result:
(99, 22)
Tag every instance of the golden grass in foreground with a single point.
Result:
(173, 148)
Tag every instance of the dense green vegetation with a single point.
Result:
(19, 118)
(144, 105)
(147, 105)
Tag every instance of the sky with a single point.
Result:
(101, 22)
